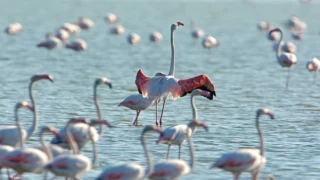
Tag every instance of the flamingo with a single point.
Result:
(210, 42)
(117, 30)
(247, 159)
(314, 65)
(77, 45)
(264, 26)
(178, 134)
(161, 86)
(73, 165)
(133, 38)
(24, 159)
(9, 135)
(13, 28)
(274, 36)
(298, 35)
(132, 171)
(175, 168)
(62, 34)
(80, 130)
(284, 59)
(71, 28)
(50, 43)
(288, 47)
(155, 36)
(85, 23)
(196, 33)
(111, 18)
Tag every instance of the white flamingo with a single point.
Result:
(131, 171)
(111, 18)
(9, 135)
(80, 130)
(77, 45)
(24, 159)
(161, 86)
(314, 65)
(85, 23)
(13, 28)
(284, 59)
(196, 33)
(133, 38)
(71, 28)
(62, 34)
(264, 26)
(175, 168)
(73, 165)
(155, 36)
(50, 43)
(274, 36)
(117, 30)
(247, 159)
(178, 134)
(210, 42)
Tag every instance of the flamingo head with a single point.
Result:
(176, 25)
(38, 77)
(24, 104)
(266, 112)
(148, 128)
(274, 30)
(103, 80)
(49, 129)
(104, 122)
(198, 123)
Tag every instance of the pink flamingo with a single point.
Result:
(314, 65)
(80, 130)
(196, 33)
(264, 26)
(50, 43)
(133, 38)
(155, 36)
(71, 28)
(77, 45)
(118, 30)
(284, 59)
(85, 23)
(298, 35)
(288, 47)
(132, 171)
(73, 165)
(24, 159)
(9, 135)
(161, 86)
(274, 36)
(62, 34)
(111, 18)
(14, 28)
(178, 134)
(248, 159)
(175, 168)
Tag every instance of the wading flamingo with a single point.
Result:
(73, 165)
(264, 26)
(155, 36)
(9, 135)
(288, 47)
(117, 30)
(77, 45)
(13, 28)
(247, 159)
(175, 168)
(133, 38)
(132, 171)
(24, 159)
(314, 65)
(196, 33)
(111, 18)
(284, 59)
(62, 34)
(81, 129)
(50, 43)
(85, 23)
(179, 134)
(71, 28)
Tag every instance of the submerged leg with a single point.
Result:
(136, 120)
(179, 157)
(168, 151)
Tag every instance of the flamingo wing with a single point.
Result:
(123, 171)
(170, 169)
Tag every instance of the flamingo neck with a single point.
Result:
(31, 129)
(72, 144)
(16, 117)
(279, 45)
(94, 147)
(98, 109)
(45, 148)
(194, 109)
(260, 136)
(191, 151)
(172, 66)
(148, 156)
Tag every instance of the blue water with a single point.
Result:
(243, 68)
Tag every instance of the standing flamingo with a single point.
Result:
(132, 171)
(161, 86)
(178, 134)
(62, 34)
(77, 45)
(284, 59)
(50, 43)
(175, 168)
(117, 30)
(14, 28)
(73, 165)
(85, 23)
(247, 159)
(314, 65)
(81, 129)
(155, 36)
(25, 159)
(196, 33)
(9, 135)
(71, 28)
(133, 38)
(111, 18)
(264, 26)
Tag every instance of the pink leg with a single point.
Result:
(164, 102)
(136, 120)
(255, 175)
(236, 176)
(168, 151)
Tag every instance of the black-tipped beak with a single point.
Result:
(214, 93)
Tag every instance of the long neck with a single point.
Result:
(148, 156)
(35, 112)
(97, 104)
(172, 66)
(279, 45)
(194, 109)
(94, 147)
(191, 151)
(16, 117)
(260, 136)
(45, 148)
(71, 141)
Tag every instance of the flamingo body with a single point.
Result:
(50, 43)
(170, 169)
(117, 30)
(77, 45)
(175, 134)
(209, 42)
(56, 150)
(155, 36)
(197, 33)
(129, 171)
(62, 34)
(85, 23)
(133, 38)
(287, 59)
(10, 135)
(111, 18)
(313, 65)
(264, 26)
(136, 102)
(13, 28)
(71, 28)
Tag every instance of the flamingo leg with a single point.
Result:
(169, 145)
(8, 173)
(156, 112)
(136, 120)
(255, 175)
(164, 102)
(314, 77)
(236, 176)
(287, 84)
(179, 157)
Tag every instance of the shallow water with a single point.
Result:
(243, 68)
